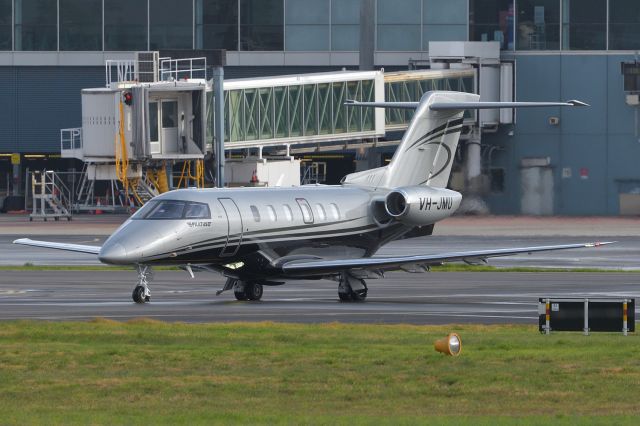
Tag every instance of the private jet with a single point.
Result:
(259, 237)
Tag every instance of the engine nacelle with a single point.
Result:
(421, 205)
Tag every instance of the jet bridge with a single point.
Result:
(152, 125)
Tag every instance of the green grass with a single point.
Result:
(148, 372)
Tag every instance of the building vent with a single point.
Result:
(147, 66)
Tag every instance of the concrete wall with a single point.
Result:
(600, 139)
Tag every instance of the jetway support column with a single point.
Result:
(472, 202)
(218, 140)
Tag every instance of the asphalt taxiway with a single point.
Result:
(431, 298)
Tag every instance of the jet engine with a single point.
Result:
(421, 205)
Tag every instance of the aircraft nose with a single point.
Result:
(113, 253)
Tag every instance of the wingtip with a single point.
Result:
(599, 243)
(20, 240)
(574, 102)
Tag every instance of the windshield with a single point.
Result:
(172, 209)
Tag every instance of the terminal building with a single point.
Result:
(548, 161)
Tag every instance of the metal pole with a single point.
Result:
(586, 317)
(218, 138)
(625, 329)
(547, 328)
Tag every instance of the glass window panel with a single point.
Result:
(288, 214)
(167, 209)
(340, 112)
(255, 213)
(307, 37)
(125, 25)
(345, 38)
(324, 108)
(335, 213)
(584, 24)
(445, 12)
(295, 110)
(81, 25)
(197, 211)
(311, 109)
(322, 215)
(169, 114)
(538, 25)
(171, 24)
(443, 33)
(624, 25)
(272, 213)
(280, 96)
(492, 20)
(153, 121)
(5, 25)
(345, 12)
(399, 37)
(307, 214)
(261, 25)
(314, 12)
(399, 11)
(36, 24)
(217, 24)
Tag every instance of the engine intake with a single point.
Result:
(421, 205)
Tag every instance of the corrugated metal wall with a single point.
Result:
(37, 101)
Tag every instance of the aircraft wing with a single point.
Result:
(60, 246)
(326, 266)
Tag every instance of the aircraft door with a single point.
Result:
(169, 132)
(234, 227)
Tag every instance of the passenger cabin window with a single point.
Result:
(334, 212)
(272, 213)
(305, 208)
(288, 214)
(322, 215)
(172, 210)
(256, 213)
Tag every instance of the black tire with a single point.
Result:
(359, 296)
(253, 291)
(138, 294)
(344, 297)
(240, 294)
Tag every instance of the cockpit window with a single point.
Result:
(197, 211)
(167, 209)
(173, 209)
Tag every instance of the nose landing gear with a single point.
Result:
(141, 293)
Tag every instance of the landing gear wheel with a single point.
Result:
(138, 295)
(141, 293)
(240, 294)
(253, 291)
(344, 297)
(352, 289)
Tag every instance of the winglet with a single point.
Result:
(599, 243)
(575, 102)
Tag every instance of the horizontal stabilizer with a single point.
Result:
(59, 246)
(444, 106)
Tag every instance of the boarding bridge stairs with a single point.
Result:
(144, 189)
(51, 196)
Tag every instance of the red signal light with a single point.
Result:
(127, 97)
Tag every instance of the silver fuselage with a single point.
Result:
(255, 225)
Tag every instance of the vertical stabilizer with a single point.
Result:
(425, 155)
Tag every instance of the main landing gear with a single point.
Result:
(352, 289)
(141, 293)
(247, 290)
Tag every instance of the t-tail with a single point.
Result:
(425, 154)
